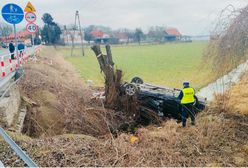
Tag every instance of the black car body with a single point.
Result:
(159, 102)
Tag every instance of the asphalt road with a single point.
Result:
(4, 52)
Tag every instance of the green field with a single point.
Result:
(167, 64)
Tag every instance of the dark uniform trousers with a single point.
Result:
(188, 110)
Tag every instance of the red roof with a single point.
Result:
(97, 34)
(21, 34)
(173, 31)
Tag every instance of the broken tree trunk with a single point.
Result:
(112, 77)
(115, 98)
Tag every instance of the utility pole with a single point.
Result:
(77, 25)
(66, 34)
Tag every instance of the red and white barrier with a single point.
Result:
(3, 74)
(9, 65)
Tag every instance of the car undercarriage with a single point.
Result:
(158, 103)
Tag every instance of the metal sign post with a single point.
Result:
(33, 46)
(16, 47)
(13, 14)
(33, 40)
(32, 29)
(30, 17)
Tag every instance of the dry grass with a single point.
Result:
(238, 97)
(62, 101)
(219, 139)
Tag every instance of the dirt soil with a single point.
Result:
(220, 137)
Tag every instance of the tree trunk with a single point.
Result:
(112, 77)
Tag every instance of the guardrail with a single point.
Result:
(17, 149)
(9, 66)
(8, 69)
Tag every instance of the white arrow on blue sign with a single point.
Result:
(12, 13)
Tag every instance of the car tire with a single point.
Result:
(137, 80)
(131, 89)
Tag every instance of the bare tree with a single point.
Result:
(5, 30)
(229, 39)
(156, 33)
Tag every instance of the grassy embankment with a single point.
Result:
(167, 64)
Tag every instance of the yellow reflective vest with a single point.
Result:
(188, 95)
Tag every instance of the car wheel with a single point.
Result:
(130, 89)
(137, 80)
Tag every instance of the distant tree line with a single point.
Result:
(155, 34)
(51, 32)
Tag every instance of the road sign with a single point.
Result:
(12, 13)
(32, 28)
(30, 17)
(29, 8)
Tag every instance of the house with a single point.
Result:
(122, 37)
(172, 34)
(71, 36)
(97, 34)
(101, 37)
(22, 36)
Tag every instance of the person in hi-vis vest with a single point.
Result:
(188, 98)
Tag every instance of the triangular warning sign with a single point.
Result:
(29, 8)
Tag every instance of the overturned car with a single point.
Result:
(157, 103)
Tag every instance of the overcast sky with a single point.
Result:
(191, 17)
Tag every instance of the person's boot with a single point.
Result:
(184, 124)
(193, 123)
